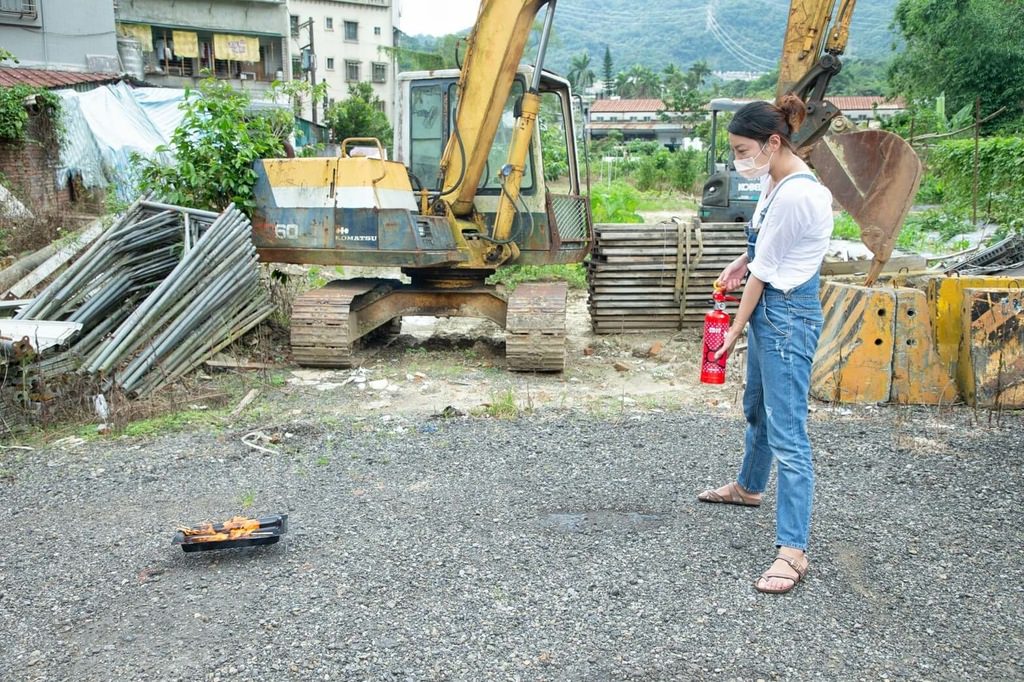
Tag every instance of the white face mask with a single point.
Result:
(749, 169)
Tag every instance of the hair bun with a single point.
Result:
(794, 110)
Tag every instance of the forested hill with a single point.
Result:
(743, 35)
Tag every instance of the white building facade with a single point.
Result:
(348, 39)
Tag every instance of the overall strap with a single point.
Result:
(775, 191)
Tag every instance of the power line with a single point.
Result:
(747, 58)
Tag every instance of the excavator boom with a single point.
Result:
(496, 47)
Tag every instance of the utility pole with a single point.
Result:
(311, 58)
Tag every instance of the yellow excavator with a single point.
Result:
(467, 196)
(467, 193)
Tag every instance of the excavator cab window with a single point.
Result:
(432, 120)
(427, 129)
(498, 156)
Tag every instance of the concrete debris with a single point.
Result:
(11, 208)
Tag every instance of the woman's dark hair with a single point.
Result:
(761, 120)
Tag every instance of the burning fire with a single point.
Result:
(234, 528)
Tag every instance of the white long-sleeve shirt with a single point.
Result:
(794, 236)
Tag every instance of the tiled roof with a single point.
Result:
(47, 78)
(864, 102)
(607, 106)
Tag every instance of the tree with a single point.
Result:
(360, 115)
(639, 82)
(609, 73)
(683, 91)
(214, 146)
(968, 49)
(580, 74)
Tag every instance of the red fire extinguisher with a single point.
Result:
(716, 325)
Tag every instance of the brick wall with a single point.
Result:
(30, 169)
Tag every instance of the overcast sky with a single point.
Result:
(436, 17)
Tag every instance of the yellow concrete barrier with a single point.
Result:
(919, 374)
(853, 363)
(991, 364)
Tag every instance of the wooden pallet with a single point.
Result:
(651, 277)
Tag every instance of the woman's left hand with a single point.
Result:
(731, 337)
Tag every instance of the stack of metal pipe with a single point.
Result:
(159, 292)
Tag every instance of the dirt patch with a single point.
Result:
(460, 362)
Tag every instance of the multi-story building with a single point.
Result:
(60, 35)
(637, 119)
(245, 41)
(340, 42)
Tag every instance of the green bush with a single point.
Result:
(511, 276)
(845, 227)
(14, 116)
(615, 203)
(1000, 166)
(215, 147)
(931, 190)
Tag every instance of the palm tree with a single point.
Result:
(581, 76)
(638, 82)
(698, 73)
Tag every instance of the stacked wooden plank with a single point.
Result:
(651, 277)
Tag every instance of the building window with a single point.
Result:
(330, 63)
(352, 31)
(24, 12)
(380, 106)
(376, 30)
(351, 71)
(293, 22)
(328, 23)
(380, 72)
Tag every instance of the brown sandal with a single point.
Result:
(767, 575)
(736, 496)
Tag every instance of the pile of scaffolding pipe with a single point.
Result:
(157, 294)
(211, 298)
(119, 270)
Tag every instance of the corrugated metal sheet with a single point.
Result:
(107, 125)
(47, 78)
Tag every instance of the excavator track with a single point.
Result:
(535, 327)
(321, 335)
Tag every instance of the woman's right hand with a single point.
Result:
(733, 274)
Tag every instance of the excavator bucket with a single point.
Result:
(873, 175)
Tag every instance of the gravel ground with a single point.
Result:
(562, 546)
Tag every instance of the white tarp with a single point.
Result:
(105, 126)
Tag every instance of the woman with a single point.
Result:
(786, 242)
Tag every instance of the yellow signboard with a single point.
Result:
(186, 44)
(236, 48)
(140, 32)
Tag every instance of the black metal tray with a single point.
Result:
(277, 524)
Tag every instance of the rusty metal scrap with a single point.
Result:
(1007, 254)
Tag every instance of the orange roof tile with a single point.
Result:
(864, 102)
(47, 78)
(605, 106)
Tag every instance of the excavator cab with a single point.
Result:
(552, 223)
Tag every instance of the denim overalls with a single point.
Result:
(781, 341)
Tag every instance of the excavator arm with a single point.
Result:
(873, 174)
(495, 48)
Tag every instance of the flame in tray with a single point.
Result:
(235, 528)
